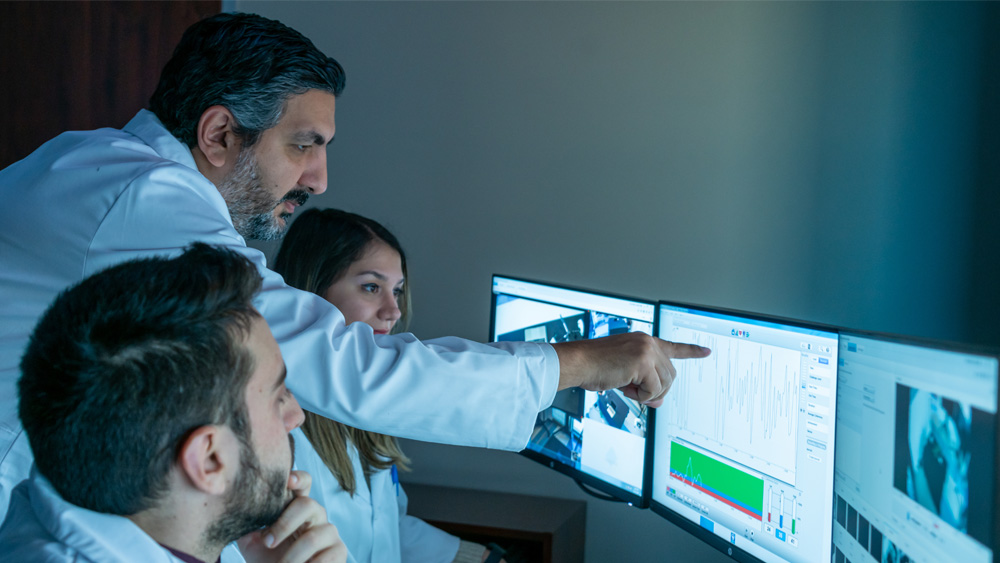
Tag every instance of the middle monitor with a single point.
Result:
(597, 438)
(743, 444)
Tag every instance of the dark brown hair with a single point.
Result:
(320, 246)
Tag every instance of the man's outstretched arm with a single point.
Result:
(638, 364)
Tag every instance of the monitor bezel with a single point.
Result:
(982, 350)
(637, 500)
(710, 538)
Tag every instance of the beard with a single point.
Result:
(256, 499)
(251, 206)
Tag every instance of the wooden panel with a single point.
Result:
(552, 528)
(82, 64)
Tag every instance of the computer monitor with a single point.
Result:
(597, 438)
(916, 449)
(743, 444)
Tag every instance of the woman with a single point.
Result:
(359, 266)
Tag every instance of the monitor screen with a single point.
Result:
(597, 438)
(743, 444)
(916, 447)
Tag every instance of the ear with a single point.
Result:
(209, 457)
(216, 139)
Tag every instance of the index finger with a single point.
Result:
(299, 482)
(683, 351)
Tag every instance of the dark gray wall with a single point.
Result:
(834, 162)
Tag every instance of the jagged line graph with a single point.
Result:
(741, 402)
(744, 386)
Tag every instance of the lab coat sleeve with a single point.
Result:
(419, 542)
(446, 390)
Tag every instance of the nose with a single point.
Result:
(294, 417)
(314, 176)
(390, 308)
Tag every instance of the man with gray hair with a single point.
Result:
(235, 141)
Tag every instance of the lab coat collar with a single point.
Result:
(97, 536)
(148, 128)
(151, 131)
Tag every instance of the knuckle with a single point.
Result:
(310, 541)
(281, 528)
(306, 543)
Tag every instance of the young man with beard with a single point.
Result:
(235, 141)
(153, 395)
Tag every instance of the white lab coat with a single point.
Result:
(373, 523)
(41, 527)
(88, 200)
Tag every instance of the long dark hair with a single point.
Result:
(321, 244)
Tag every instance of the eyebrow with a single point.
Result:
(373, 273)
(281, 379)
(310, 137)
(377, 275)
